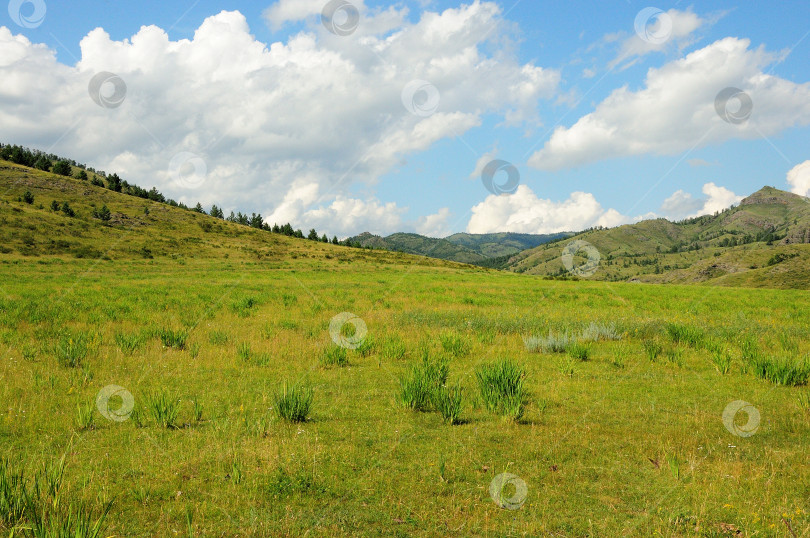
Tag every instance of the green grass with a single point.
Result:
(782, 370)
(71, 348)
(293, 403)
(173, 338)
(502, 386)
(421, 384)
(164, 409)
(552, 343)
(334, 355)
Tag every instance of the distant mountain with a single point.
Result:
(761, 242)
(484, 249)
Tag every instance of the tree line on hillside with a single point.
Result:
(49, 162)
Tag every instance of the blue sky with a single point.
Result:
(352, 164)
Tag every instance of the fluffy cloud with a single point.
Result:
(683, 25)
(524, 212)
(281, 129)
(799, 179)
(682, 205)
(675, 112)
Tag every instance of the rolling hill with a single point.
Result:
(762, 242)
(478, 249)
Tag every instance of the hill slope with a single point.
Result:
(762, 242)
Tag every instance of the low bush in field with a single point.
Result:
(293, 402)
(502, 387)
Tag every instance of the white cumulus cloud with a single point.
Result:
(799, 179)
(682, 205)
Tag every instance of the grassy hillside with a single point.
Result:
(760, 243)
(461, 247)
(158, 384)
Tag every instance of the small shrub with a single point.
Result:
(553, 343)
(579, 351)
(28, 198)
(595, 332)
(102, 214)
(164, 409)
(293, 403)
(419, 387)
(67, 210)
(502, 387)
(173, 339)
(334, 355)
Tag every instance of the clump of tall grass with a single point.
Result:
(595, 332)
(421, 384)
(84, 416)
(334, 355)
(553, 343)
(129, 343)
(366, 347)
(502, 387)
(685, 334)
(579, 351)
(243, 307)
(164, 409)
(218, 338)
(71, 348)
(652, 349)
(393, 348)
(38, 509)
(720, 357)
(448, 403)
(455, 344)
(790, 371)
(247, 355)
(293, 402)
(173, 339)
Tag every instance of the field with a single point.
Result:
(620, 433)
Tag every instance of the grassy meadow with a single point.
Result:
(610, 408)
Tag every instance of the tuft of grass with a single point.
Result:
(71, 348)
(502, 387)
(595, 332)
(721, 359)
(334, 355)
(163, 408)
(84, 416)
(619, 359)
(448, 403)
(293, 402)
(393, 348)
(579, 351)
(685, 334)
(421, 384)
(244, 306)
(553, 343)
(367, 347)
(218, 338)
(173, 339)
(782, 370)
(652, 349)
(243, 351)
(455, 344)
(129, 343)
(675, 356)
